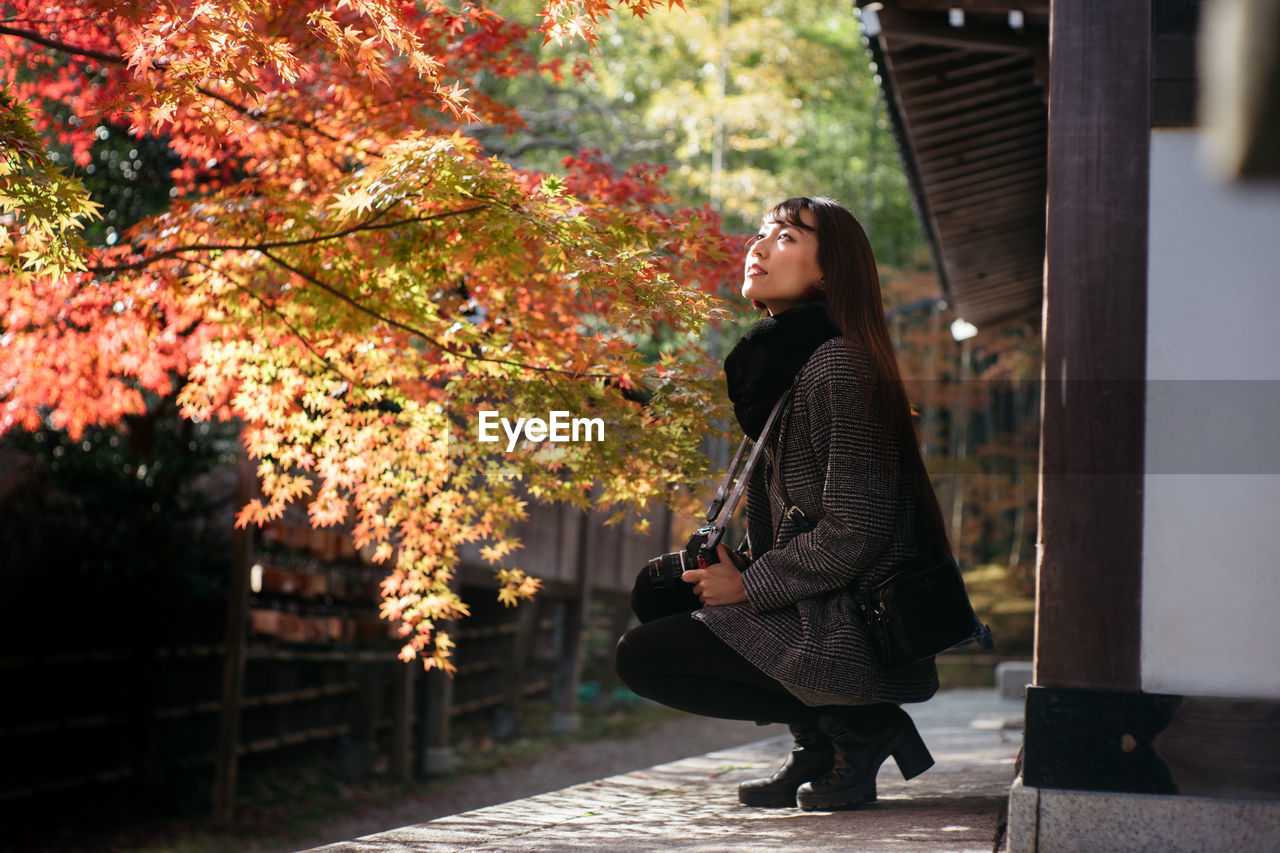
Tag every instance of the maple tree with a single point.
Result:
(344, 268)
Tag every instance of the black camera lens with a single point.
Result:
(666, 570)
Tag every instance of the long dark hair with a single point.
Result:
(852, 296)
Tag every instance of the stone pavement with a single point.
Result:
(691, 804)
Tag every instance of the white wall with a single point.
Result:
(1211, 520)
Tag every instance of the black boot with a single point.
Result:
(863, 736)
(811, 758)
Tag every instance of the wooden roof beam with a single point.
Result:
(999, 290)
(958, 68)
(946, 93)
(985, 181)
(975, 192)
(1002, 200)
(999, 92)
(926, 28)
(973, 232)
(997, 269)
(993, 300)
(943, 148)
(1018, 305)
(997, 210)
(1038, 8)
(991, 253)
(997, 158)
(996, 113)
(924, 56)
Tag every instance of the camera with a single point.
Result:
(665, 570)
(659, 590)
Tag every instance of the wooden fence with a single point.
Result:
(308, 668)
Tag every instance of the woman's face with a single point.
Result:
(781, 268)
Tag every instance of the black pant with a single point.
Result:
(679, 662)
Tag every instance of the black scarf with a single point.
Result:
(764, 363)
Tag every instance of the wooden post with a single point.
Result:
(569, 664)
(930, 382)
(1089, 571)
(960, 416)
(516, 666)
(402, 723)
(355, 752)
(226, 759)
(619, 619)
(437, 754)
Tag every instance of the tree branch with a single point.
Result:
(261, 300)
(419, 333)
(88, 53)
(114, 59)
(367, 225)
(248, 112)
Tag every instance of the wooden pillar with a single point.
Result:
(619, 619)
(406, 675)
(1089, 571)
(961, 415)
(226, 759)
(930, 383)
(516, 665)
(437, 754)
(569, 663)
(1089, 724)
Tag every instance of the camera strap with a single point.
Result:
(724, 505)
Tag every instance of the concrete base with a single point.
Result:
(566, 722)
(439, 759)
(1012, 678)
(1048, 820)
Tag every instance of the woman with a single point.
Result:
(841, 502)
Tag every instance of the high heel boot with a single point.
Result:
(811, 757)
(862, 737)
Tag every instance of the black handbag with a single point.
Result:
(920, 612)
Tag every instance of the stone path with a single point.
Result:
(691, 804)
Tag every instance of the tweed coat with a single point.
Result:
(838, 465)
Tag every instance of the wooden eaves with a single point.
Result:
(967, 98)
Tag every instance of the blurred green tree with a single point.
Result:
(746, 102)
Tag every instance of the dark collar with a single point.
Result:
(767, 359)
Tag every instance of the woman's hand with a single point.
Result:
(719, 583)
